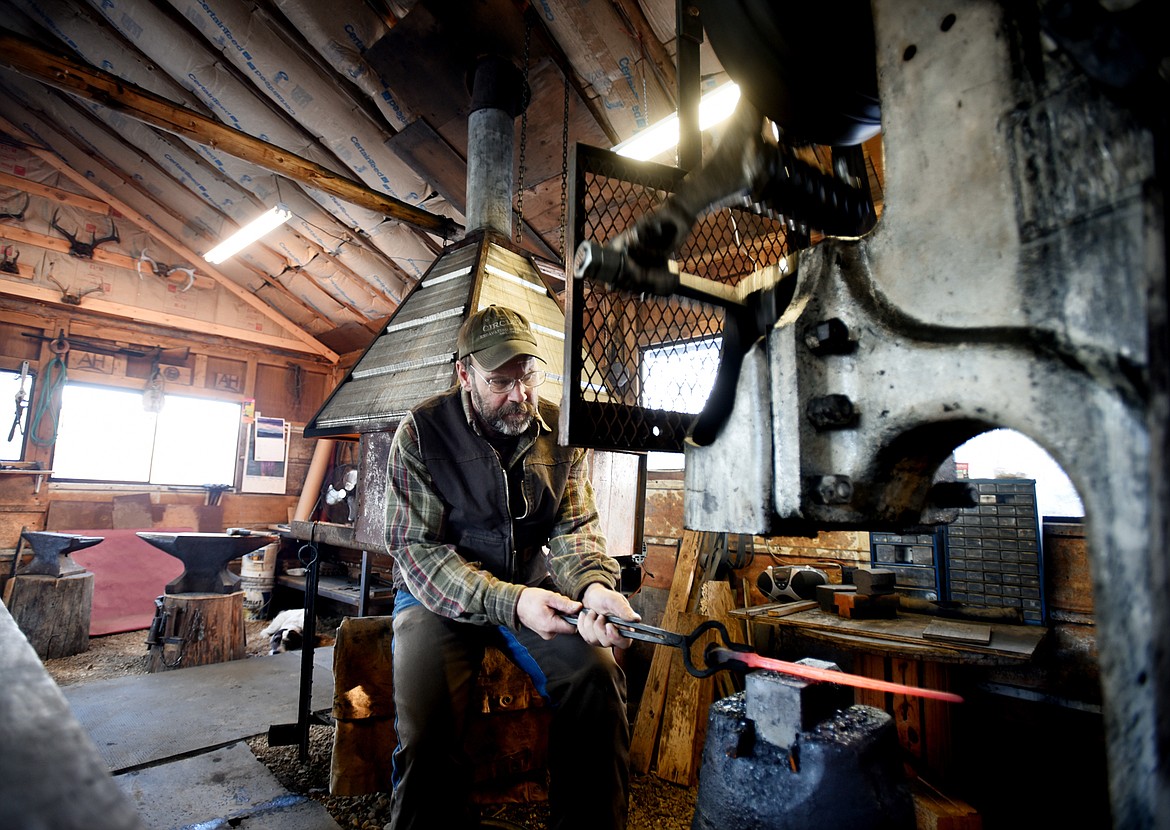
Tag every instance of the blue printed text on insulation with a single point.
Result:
(389, 99)
(212, 100)
(373, 165)
(130, 27)
(215, 160)
(358, 43)
(639, 115)
(200, 188)
(52, 26)
(229, 38)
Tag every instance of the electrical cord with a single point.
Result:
(54, 380)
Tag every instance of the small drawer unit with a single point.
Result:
(993, 555)
(913, 557)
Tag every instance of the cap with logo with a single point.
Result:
(495, 335)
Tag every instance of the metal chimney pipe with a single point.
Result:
(498, 95)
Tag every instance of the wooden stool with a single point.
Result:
(507, 734)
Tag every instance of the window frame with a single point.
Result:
(156, 464)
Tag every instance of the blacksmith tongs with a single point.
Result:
(662, 637)
(740, 657)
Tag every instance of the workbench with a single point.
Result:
(902, 636)
(896, 650)
(364, 596)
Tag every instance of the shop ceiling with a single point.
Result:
(178, 121)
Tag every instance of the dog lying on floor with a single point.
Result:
(286, 632)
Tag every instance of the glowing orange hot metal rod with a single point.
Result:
(724, 656)
(736, 655)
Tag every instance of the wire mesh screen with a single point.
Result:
(639, 368)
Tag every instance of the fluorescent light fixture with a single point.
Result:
(248, 234)
(656, 139)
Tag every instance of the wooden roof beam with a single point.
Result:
(312, 344)
(62, 72)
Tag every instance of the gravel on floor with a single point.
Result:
(654, 804)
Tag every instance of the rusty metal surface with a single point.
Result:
(1017, 279)
(1005, 286)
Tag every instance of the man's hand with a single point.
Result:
(541, 611)
(601, 602)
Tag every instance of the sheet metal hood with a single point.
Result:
(414, 355)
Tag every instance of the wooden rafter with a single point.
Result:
(308, 242)
(160, 318)
(660, 59)
(311, 343)
(61, 72)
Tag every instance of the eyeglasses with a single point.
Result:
(502, 386)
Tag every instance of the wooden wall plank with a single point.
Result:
(649, 715)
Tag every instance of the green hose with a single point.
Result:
(54, 380)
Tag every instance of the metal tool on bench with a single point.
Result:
(737, 656)
(205, 557)
(51, 552)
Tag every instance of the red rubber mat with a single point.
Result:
(128, 574)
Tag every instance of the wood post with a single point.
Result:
(199, 629)
(671, 723)
(53, 612)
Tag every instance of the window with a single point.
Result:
(678, 378)
(19, 391)
(106, 434)
(1005, 453)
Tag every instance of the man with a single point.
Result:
(495, 538)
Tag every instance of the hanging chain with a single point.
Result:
(565, 180)
(519, 235)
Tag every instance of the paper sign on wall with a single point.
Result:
(269, 444)
(264, 473)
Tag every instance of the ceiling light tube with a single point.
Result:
(248, 234)
(714, 107)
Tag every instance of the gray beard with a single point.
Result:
(498, 421)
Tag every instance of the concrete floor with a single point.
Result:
(173, 741)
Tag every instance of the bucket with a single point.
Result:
(257, 576)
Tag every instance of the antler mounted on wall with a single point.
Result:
(165, 271)
(72, 297)
(84, 250)
(9, 211)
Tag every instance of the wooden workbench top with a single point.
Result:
(903, 636)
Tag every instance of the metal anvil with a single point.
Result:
(790, 753)
(205, 557)
(51, 552)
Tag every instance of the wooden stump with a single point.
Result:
(53, 612)
(199, 629)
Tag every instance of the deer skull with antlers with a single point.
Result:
(84, 250)
(72, 297)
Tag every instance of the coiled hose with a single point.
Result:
(53, 381)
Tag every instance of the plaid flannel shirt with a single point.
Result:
(447, 584)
